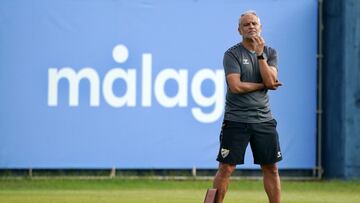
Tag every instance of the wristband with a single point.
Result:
(261, 56)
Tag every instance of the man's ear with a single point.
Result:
(239, 30)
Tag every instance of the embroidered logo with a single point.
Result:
(224, 152)
(246, 61)
(278, 154)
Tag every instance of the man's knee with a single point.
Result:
(225, 170)
(270, 169)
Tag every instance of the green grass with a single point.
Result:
(161, 191)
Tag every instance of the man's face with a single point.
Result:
(249, 26)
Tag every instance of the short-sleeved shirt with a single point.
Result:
(252, 107)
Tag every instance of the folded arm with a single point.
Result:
(236, 86)
(268, 75)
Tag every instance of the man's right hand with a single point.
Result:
(275, 85)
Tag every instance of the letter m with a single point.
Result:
(54, 75)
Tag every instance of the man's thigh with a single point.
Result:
(234, 138)
(264, 142)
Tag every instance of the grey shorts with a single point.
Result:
(263, 138)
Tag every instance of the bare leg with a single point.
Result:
(221, 180)
(272, 182)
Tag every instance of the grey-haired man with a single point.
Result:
(251, 70)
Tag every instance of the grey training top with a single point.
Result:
(252, 107)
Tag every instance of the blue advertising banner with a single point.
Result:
(140, 84)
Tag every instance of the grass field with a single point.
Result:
(161, 191)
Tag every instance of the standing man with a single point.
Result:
(251, 70)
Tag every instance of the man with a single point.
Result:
(251, 70)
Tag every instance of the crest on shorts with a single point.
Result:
(224, 152)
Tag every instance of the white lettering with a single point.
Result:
(54, 75)
(146, 80)
(129, 98)
(180, 98)
(120, 55)
(216, 99)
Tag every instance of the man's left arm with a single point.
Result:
(268, 73)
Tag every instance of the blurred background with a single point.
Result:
(139, 85)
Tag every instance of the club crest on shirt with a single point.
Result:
(224, 152)
(246, 61)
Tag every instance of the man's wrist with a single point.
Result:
(261, 85)
(261, 56)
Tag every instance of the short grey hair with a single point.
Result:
(249, 12)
